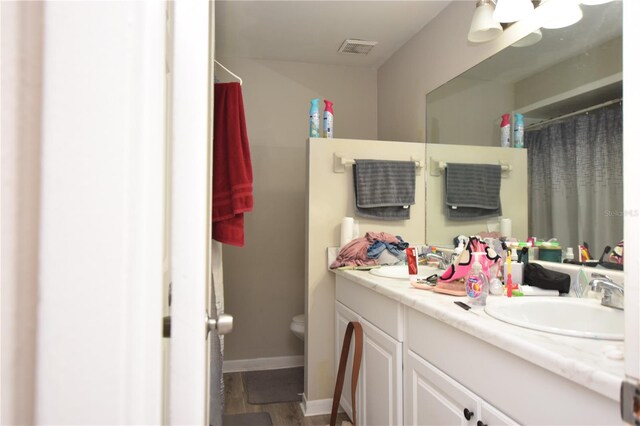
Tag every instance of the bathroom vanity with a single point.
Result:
(427, 361)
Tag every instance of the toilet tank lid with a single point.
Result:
(299, 318)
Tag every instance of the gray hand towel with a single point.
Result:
(384, 189)
(472, 191)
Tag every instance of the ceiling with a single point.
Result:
(312, 31)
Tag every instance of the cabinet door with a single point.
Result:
(345, 315)
(433, 398)
(381, 378)
(491, 416)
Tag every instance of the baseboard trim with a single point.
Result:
(273, 363)
(316, 407)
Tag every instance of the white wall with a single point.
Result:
(631, 200)
(264, 280)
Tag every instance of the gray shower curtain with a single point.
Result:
(575, 179)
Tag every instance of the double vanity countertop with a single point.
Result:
(582, 360)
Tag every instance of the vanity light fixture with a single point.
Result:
(594, 2)
(512, 10)
(483, 25)
(560, 13)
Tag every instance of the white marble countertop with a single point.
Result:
(580, 360)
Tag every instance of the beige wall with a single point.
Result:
(468, 112)
(438, 53)
(265, 280)
(22, 76)
(513, 191)
(330, 198)
(601, 62)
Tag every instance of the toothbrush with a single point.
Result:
(509, 282)
(607, 249)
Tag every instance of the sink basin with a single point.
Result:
(566, 316)
(402, 271)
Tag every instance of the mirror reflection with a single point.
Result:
(568, 87)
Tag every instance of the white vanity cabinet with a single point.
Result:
(448, 370)
(433, 398)
(425, 361)
(379, 392)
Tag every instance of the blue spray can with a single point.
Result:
(518, 131)
(314, 119)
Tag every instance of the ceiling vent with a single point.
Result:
(357, 47)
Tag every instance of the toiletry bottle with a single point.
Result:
(495, 285)
(514, 269)
(518, 131)
(505, 131)
(314, 119)
(569, 254)
(412, 264)
(476, 283)
(328, 119)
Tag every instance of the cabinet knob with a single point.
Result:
(481, 423)
(468, 414)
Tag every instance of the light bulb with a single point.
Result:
(560, 13)
(512, 10)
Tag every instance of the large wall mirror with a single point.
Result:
(568, 86)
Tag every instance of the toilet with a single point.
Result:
(297, 326)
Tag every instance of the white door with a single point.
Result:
(86, 81)
(431, 398)
(190, 112)
(344, 316)
(381, 386)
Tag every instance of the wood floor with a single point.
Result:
(282, 414)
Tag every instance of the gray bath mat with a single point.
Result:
(270, 386)
(247, 419)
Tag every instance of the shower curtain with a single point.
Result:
(575, 179)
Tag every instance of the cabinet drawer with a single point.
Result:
(520, 389)
(381, 311)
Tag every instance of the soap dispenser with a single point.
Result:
(495, 285)
(477, 283)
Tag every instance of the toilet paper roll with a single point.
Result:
(505, 227)
(346, 231)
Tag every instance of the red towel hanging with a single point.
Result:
(232, 173)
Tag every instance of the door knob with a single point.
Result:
(222, 325)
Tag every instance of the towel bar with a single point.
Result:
(340, 162)
(436, 167)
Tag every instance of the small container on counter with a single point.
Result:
(412, 264)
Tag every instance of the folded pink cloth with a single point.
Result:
(354, 253)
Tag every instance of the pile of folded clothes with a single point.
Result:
(374, 249)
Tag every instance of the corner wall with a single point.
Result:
(265, 280)
(330, 198)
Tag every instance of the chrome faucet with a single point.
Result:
(443, 262)
(602, 283)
